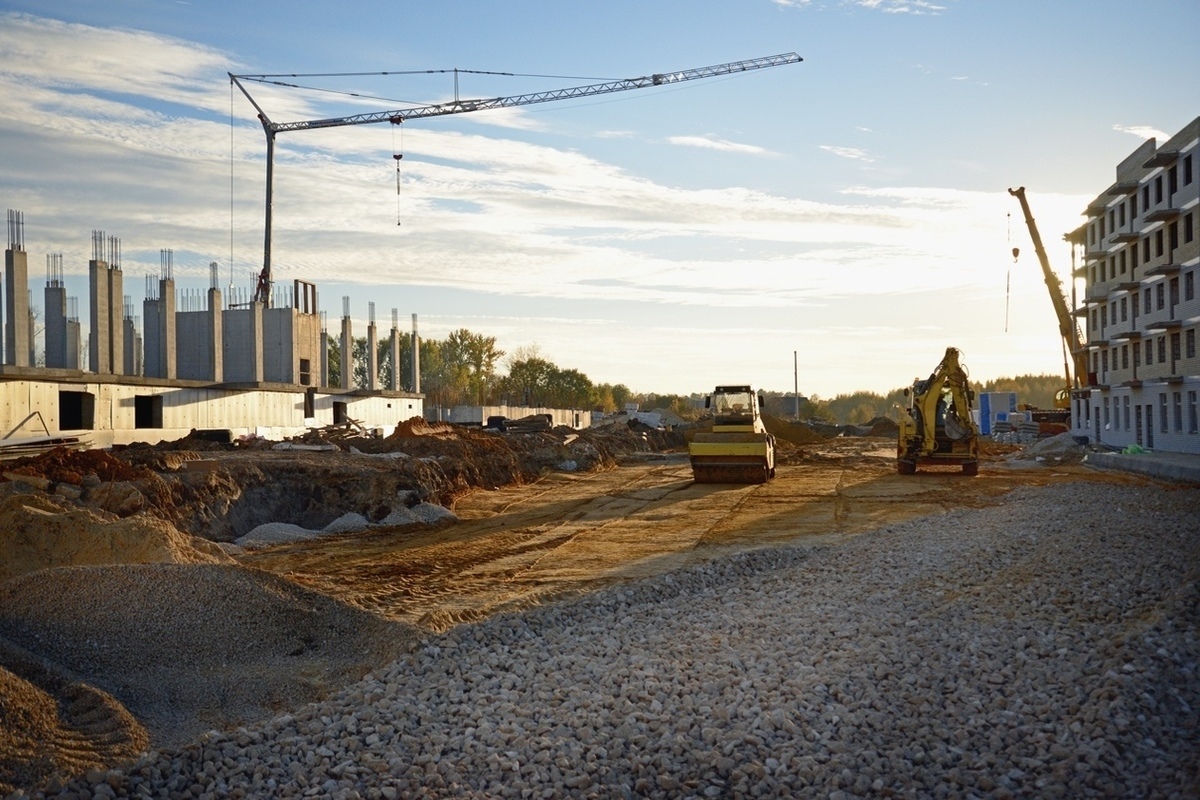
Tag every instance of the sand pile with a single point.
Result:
(188, 647)
(794, 432)
(43, 735)
(37, 531)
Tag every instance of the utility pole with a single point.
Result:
(796, 380)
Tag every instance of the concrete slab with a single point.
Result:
(1184, 467)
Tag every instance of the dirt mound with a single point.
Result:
(62, 465)
(37, 532)
(418, 426)
(794, 432)
(882, 426)
(1054, 450)
(49, 735)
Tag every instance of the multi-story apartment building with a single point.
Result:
(1141, 256)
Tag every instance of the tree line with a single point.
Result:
(468, 368)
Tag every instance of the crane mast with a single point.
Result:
(1066, 326)
(262, 291)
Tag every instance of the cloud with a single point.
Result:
(914, 7)
(712, 143)
(1142, 131)
(853, 153)
(67, 57)
(483, 212)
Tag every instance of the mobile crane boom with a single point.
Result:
(263, 290)
(1066, 326)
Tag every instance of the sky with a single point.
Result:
(833, 224)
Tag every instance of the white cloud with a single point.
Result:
(1142, 131)
(914, 7)
(853, 153)
(712, 143)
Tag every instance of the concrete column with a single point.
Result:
(167, 353)
(256, 340)
(152, 358)
(16, 308)
(416, 365)
(74, 345)
(347, 353)
(56, 327)
(98, 300)
(372, 357)
(216, 365)
(116, 321)
(130, 342)
(395, 353)
(32, 329)
(324, 355)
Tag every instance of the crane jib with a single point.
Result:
(457, 106)
(482, 104)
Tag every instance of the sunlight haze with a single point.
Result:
(852, 208)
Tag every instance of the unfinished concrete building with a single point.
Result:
(244, 368)
(1141, 256)
(292, 336)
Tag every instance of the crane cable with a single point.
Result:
(398, 155)
(1008, 275)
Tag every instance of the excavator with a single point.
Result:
(1072, 339)
(738, 449)
(936, 429)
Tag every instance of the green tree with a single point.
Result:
(473, 358)
(333, 356)
(442, 382)
(620, 395)
(528, 382)
(568, 388)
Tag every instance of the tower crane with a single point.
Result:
(262, 291)
(1072, 339)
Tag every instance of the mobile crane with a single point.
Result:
(262, 293)
(1072, 339)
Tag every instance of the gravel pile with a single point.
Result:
(189, 646)
(270, 533)
(1049, 647)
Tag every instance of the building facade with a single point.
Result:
(1141, 255)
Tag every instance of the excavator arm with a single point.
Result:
(937, 427)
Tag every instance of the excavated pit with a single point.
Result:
(221, 492)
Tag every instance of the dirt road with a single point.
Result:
(570, 532)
